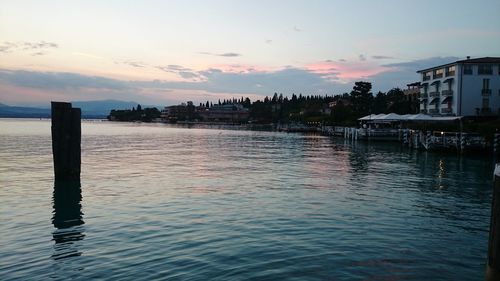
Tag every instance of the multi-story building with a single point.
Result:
(225, 113)
(462, 88)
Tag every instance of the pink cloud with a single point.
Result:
(345, 71)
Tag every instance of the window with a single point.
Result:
(486, 84)
(468, 69)
(426, 76)
(450, 70)
(438, 73)
(485, 69)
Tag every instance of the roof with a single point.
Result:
(466, 61)
(413, 84)
(481, 60)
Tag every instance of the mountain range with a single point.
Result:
(90, 109)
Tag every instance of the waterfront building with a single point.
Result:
(469, 87)
(225, 113)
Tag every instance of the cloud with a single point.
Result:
(7, 47)
(136, 64)
(58, 80)
(38, 54)
(296, 29)
(180, 70)
(229, 54)
(269, 41)
(362, 57)
(379, 57)
(344, 72)
(402, 73)
(422, 63)
(325, 77)
(39, 47)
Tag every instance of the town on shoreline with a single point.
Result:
(454, 99)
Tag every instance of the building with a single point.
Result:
(178, 112)
(225, 113)
(412, 95)
(462, 88)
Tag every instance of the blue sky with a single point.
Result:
(165, 52)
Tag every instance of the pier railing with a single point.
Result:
(414, 138)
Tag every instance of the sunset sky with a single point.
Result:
(165, 52)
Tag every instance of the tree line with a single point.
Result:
(339, 109)
(342, 109)
(135, 114)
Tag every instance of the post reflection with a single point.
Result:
(67, 219)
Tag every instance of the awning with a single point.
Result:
(446, 100)
(435, 82)
(449, 80)
(371, 116)
(384, 118)
(434, 101)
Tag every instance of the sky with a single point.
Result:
(167, 52)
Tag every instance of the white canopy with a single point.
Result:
(371, 117)
(407, 117)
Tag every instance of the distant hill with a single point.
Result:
(90, 109)
(23, 112)
(101, 108)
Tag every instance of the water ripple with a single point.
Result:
(159, 202)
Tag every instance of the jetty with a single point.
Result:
(395, 127)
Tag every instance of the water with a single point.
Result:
(159, 202)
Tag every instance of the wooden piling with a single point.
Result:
(496, 145)
(66, 139)
(493, 265)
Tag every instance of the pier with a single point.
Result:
(394, 127)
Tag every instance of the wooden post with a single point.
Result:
(66, 138)
(496, 145)
(493, 265)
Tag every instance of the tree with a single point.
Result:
(361, 98)
(379, 103)
(139, 108)
(397, 102)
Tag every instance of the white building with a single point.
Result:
(463, 88)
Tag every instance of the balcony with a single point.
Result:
(447, 93)
(486, 92)
(446, 110)
(433, 111)
(434, 94)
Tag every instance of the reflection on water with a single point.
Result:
(67, 219)
(208, 204)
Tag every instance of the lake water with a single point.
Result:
(159, 202)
